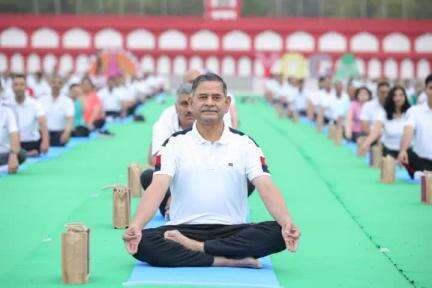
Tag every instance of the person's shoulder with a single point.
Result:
(245, 138)
(415, 109)
(177, 136)
(7, 110)
(66, 99)
(167, 114)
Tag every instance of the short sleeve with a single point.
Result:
(39, 109)
(69, 109)
(255, 161)
(364, 113)
(12, 125)
(381, 116)
(159, 135)
(410, 117)
(165, 163)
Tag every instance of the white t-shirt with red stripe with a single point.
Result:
(209, 179)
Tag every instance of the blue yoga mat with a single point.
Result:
(53, 153)
(205, 276)
(144, 274)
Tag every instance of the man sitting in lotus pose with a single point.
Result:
(206, 168)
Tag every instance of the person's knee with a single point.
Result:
(146, 178)
(148, 251)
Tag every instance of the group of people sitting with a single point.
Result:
(369, 113)
(52, 110)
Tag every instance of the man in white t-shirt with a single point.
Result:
(173, 119)
(339, 104)
(11, 153)
(39, 85)
(59, 111)
(206, 168)
(374, 107)
(418, 127)
(31, 119)
(113, 101)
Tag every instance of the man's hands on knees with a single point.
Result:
(291, 235)
(131, 238)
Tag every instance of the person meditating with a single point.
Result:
(206, 168)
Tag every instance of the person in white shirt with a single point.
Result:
(39, 85)
(206, 168)
(314, 97)
(11, 153)
(113, 101)
(271, 88)
(335, 105)
(32, 123)
(418, 127)
(326, 94)
(59, 111)
(173, 119)
(390, 122)
(300, 99)
(372, 108)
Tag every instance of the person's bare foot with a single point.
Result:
(176, 236)
(248, 262)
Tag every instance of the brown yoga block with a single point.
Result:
(121, 206)
(319, 126)
(426, 188)
(75, 254)
(361, 152)
(134, 173)
(295, 117)
(331, 131)
(375, 156)
(388, 169)
(338, 137)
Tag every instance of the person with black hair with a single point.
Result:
(374, 107)
(31, 118)
(389, 124)
(206, 168)
(353, 128)
(418, 127)
(59, 111)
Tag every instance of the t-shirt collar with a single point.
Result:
(224, 139)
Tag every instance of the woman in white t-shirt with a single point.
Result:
(390, 122)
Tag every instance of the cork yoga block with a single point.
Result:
(75, 254)
(338, 137)
(134, 173)
(388, 167)
(426, 188)
(331, 132)
(375, 156)
(121, 206)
